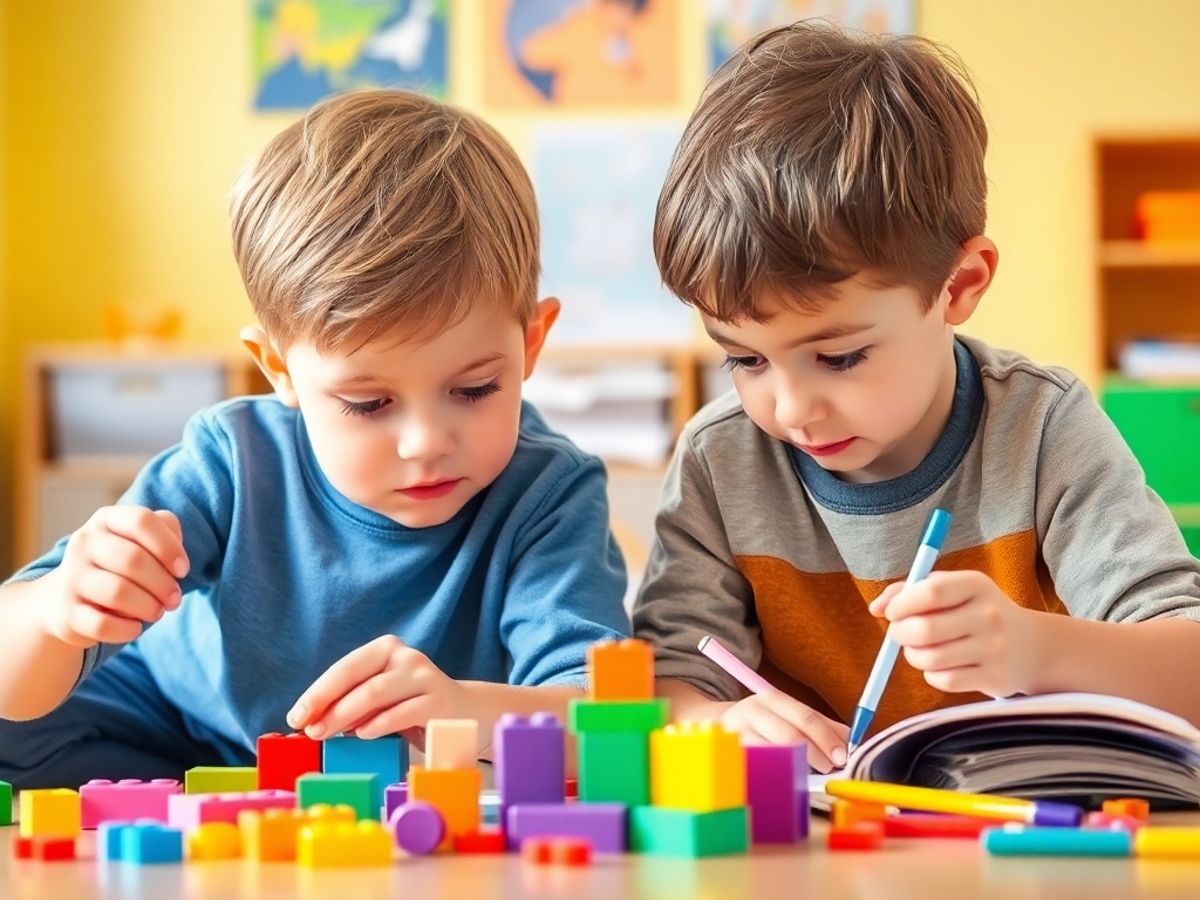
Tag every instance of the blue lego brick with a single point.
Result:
(144, 844)
(386, 757)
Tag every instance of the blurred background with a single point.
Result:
(124, 123)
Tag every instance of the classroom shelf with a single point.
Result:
(1140, 255)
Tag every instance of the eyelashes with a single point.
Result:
(367, 408)
(841, 363)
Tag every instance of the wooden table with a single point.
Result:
(924, 869)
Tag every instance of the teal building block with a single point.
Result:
(5, 803)
(362, 792)
(151, 843)
(614, 767)
(386, 757)
(616, 715)
(678, 832)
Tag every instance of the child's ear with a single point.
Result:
(974, 273)
(535, 332)
(270, 362)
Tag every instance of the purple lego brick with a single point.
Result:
(394, 795)
(529, 760)
(187, 811)
(771, 789)
(802, 813)
(603, 824)
(130, 798)
(418, 827)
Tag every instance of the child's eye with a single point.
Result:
(475, 394)
(750, 363)
(845, 362)
(366, 408)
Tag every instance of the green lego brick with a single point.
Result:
(359, 791)
(5, 803)
(220, 779)
(677, 832)
(614, 767)
(616, 715)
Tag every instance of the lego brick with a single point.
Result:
(697, 766)
(220, 780)
(620, 670)
(486, 840)
(55, 812)
(934, 825)
(108, 839)
(361, 792)
(214, 840)
(603, 825)
(529, 762)
(679, 832)
(102, 800)
(151, 843)
(1167, 842)
(6, 796)
(602, 782)
(1105, 820)
(1134, 808)
(393, 796)
(802, 809)
(386, 757)
(53, 849)
(344, 844)
(282, 758)
(271, 835)
(451, 744)
(188, 811)
(418, 827)
(454, 793)
(865, 835)
(21, 847)
(556, 851)
(588, 716)
(771, 794)
(845, 813)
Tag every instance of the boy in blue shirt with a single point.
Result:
(394, 517)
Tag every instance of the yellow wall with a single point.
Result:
(125, 123)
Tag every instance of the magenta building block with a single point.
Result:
(604, 824)
(393, 796)
(102, 800)
(418, 827)
(771, 794)
(188, 811)
(528, 760)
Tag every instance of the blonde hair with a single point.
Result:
(381, 209)
(816, 154)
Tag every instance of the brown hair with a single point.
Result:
(383, 208)
(815, 154)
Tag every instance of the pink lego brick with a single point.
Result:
(130, 798)
(187, 811)
(771, 794)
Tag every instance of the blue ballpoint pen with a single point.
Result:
(927, 553)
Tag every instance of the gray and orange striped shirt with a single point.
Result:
(759, 546)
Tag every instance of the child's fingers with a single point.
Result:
(98, 626)
(951, 655)
(130, 561)
(361, 704)
(340, 679)
(403, 717)
(878, 606)
(934, 629)
(941, 590)
(153, 532)
(826, 739)
(115, 594)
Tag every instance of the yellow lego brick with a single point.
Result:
(451, 744)
(343, 844)
(620, 670)
(271, 835)
(452, 792)
(214, 840)
(697, 766)
(56, 811)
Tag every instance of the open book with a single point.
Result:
(1075, 747)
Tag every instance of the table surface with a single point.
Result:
(925, 869)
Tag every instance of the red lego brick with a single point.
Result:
(282, 758)
(489, 840)
(859, 836)
(53, 849)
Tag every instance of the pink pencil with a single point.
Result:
(749, 679)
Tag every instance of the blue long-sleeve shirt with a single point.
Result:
(288, 575)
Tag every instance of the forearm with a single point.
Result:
(689, 704)
(1156, 661)
(491, 701)
(37, 671)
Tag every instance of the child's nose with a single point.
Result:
(796, 407)
(422, 438)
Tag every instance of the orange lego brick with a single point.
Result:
(1132, 807)
(452, 792)
(621, 670)
(850, 812)
(859, 836)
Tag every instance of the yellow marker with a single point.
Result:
(1164, 842)
(985, 806)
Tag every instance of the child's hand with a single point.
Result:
(776, 718)
(963, 632)
(119, 570)
(385, 687)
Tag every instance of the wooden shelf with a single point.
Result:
(1140, 255)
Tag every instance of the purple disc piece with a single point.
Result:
(418, 827)
(1056, 815)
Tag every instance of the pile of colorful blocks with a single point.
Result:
(643, 785)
